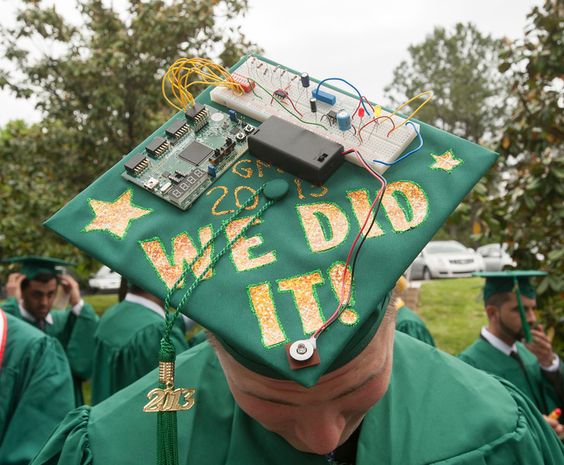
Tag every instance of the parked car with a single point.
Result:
(105, 280)
(495, 257)
(446, 259)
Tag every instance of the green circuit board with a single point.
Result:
(187, 154)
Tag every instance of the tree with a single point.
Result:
(98, 87)
(529, 213)
(469, 100)
(460, 67)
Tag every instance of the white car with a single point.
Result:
(446, 259)
(495, 257)
(105, 280)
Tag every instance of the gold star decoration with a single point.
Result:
(115, 217)
(446, 162)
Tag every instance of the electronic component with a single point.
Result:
(195, 153)
(374, 142)
(198, 115)
(165, 187)
(151, 183)
(232, 115)
(280, 94)
(324, 97)
(313, 105)
(245, 83)
(185, 169)
(137, 164)
(177, 129)
(331, 117)
(296, 150)
(305, 79)
(343, 120)
(189, 184)
(157, 147)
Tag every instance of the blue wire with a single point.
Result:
(348, 83)
(411, 152)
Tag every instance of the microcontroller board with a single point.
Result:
(193, 150)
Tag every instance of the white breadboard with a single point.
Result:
(375, 144)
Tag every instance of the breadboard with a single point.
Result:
(375, 144)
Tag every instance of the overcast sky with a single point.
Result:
(359, 40)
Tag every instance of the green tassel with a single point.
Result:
(167, 433)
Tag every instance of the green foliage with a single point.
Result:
(470, 100)
(460, 67)
(528, 214)
(98, 87)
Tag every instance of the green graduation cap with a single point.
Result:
(258, 258)
(517, 281)
(31, 266)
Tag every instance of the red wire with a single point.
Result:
(373, 120)
(378, 198)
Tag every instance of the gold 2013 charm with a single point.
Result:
(168, 400)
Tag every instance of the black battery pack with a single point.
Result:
(296, 150)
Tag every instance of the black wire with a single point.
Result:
(370, 227)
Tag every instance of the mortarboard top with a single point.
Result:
(512, 281)
(281, 280)
(31, 266)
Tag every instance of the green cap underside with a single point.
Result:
(32, 266)
(504, 281)
(222, 303)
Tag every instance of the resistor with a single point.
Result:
(343, 120)
(305, 80)
(313, 104)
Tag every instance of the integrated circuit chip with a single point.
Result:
(195, 153)
(198, 115)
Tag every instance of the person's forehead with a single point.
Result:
(41, 285)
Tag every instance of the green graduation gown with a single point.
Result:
(436, 410)
(36, 391)
(127, 347)
(408, 322)
(482, 355)
(76, 335)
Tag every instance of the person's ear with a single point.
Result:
(491, 311)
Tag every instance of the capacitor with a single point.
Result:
(305, 79)
(343, 120)
(313, 105)
(232, 115)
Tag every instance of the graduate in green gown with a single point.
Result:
(303, 364)
(407, 321)
(36, 389)
(513, 345)
(127, 342)
(33, 291)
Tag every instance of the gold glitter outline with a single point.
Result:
(315, 296)
(259, 235)
(170, 257)
(359, 220)
(451, 151)
(252, 307)
(352, 301)
(89, 199)
(399, 231)
(237, 163)
(297, 206)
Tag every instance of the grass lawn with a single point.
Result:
(453, 311)
(101, 302)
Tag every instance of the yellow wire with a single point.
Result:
(187, 72)
(427, 100)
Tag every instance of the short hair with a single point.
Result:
(498, 299)
(41, 277)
